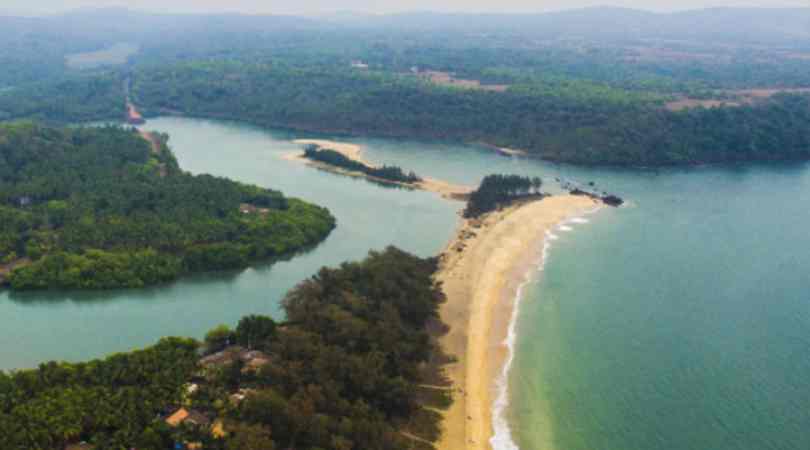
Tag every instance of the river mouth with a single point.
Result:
(679, 321)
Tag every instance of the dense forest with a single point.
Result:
(96, 208)
(576, 127)
(341, 373)
(112, 402)
(345, 370)
(555, 85)
(497, 191)
(337, 159)
(69, 99)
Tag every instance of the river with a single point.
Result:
(681, 321)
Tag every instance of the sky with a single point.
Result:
(373, 6)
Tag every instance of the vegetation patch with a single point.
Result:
(333, 158)
(97, 208)
(111, 56)
(112, 402)
(497, 191)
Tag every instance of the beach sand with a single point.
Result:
(481, 270)
(352, 151)
(445, 189)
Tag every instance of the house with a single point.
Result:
(223, 358)
(248, 356)
(253, 360)
(189, 417)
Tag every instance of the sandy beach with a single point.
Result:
(352, 151)
(481, 270)
(445, 189)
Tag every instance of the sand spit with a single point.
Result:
(445, 189)
(481, 270)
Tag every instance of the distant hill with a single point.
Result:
(786, 26)
(739, 24)
(107, 26)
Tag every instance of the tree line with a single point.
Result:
(497, 191)
(337, 159)
(585, 126)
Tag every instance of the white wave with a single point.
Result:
(579, 220)
(501, 432)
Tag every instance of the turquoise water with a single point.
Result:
(679, 322)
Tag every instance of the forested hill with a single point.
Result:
(98, 208)
(591, 86)
(576, 121)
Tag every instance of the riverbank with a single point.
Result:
(355, 152)
(481, 270)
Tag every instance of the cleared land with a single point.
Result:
(111, 56)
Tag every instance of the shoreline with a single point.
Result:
(355, 152)
(482, 272)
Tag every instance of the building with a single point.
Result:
(221, 359)
(254, 360)
(189, 417)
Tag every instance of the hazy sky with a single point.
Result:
(377, 6)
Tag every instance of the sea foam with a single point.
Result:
(501, 432)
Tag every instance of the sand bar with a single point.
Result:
(480, 271)
(445, 189)
(352, 151)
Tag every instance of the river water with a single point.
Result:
(681, 321)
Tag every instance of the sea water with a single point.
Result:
(680, 321)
